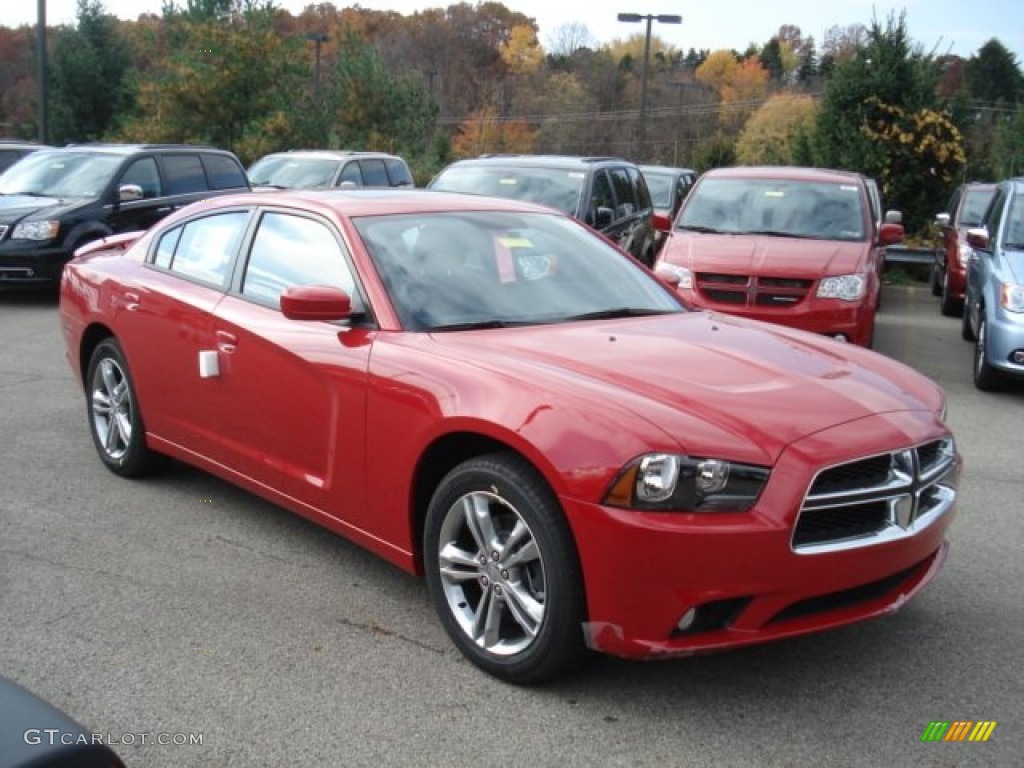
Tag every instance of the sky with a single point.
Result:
(942, 26)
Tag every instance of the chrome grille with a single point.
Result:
(751, 290)
(877, 498)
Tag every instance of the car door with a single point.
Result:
(948, 244)
(130, 215)
(979, 264)
(171, 327)
(293, 393)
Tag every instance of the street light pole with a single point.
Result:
(662, 18)
(317, 38)
(41, 107)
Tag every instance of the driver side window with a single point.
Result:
(290, 250)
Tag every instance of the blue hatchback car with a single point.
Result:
(994, 301)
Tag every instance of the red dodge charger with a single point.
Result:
(484, 392)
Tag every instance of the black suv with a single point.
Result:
(12, 150)
(326, 168)
(56, 200)
(607, 193)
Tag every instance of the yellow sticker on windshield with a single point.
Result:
(774, 193)
(513, 182)
(515, 242)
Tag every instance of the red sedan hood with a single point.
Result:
(712, 382)
(765, 255)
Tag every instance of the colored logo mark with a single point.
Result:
(958, 730)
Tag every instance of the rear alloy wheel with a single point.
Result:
(986, 378)
(114, 418)
(502, 570)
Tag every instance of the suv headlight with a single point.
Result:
(1011, 296)
(845, 287)
(669, 482)
(35, 230)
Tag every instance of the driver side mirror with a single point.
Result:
(126, 193)
(942, 219)
(602, 217)
(316, 302)
(978, 238)
(890, 234)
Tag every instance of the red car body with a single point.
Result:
(352, 427)
(966, 209)
(774, 273)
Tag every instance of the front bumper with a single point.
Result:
(740, 573)
(1004, 342)
(22, 264)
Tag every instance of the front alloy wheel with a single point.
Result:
(503, 571)
(114, 419)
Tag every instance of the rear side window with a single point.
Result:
(643, 194)
(602, 196)
(223, 172)
(184, 174)
(374, 173)
(203, 248)
(399, 174)
(144, 174)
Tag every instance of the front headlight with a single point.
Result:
(1011, 296)
(668, 482)
(845, 287)
(36, 230)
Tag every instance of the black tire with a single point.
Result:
(936, 280)
(529, 585)
(115, 421)
(949, 306)
(986, 378)
(965, 324)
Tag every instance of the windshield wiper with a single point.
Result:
(776, 233)
(700, 228)
(477, 325)
(617, 312)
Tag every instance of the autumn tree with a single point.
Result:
(485, 132)
(771, 134)
(741, 84)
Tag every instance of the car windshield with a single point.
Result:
(558, 188)
(807, 209)
(481, 269)
(294, 172)
(975, 204)
(661, 186)
(60, 174)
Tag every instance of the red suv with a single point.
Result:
(966, 209)
(795, 246)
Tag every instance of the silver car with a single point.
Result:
(994, 301)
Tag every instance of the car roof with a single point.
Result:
(22, 144)
(665, 169)
(369, 201)
(543, 161)
(325, 154)
(131, 149)
(784, 173)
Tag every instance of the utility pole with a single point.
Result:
(41, 111)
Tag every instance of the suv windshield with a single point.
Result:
(60, 174)
(818, 210)
(294, 172)
(554, 187)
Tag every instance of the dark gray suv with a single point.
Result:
(606, 193)
(57, 200)
(328, 168)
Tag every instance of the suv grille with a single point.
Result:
(878, 498)
(744, 290)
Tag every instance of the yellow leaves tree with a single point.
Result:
(486, 132)
(739, 84)
(914, 141)
(770, 135)
(522, 53)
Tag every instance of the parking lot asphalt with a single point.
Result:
(185, 607)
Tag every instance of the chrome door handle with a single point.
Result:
(226, 342)
(131, 301)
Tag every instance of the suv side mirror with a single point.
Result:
(893, 217)
(890, 234)
(942, 219)
(603, 217)
(128, 192)
(978, 238)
